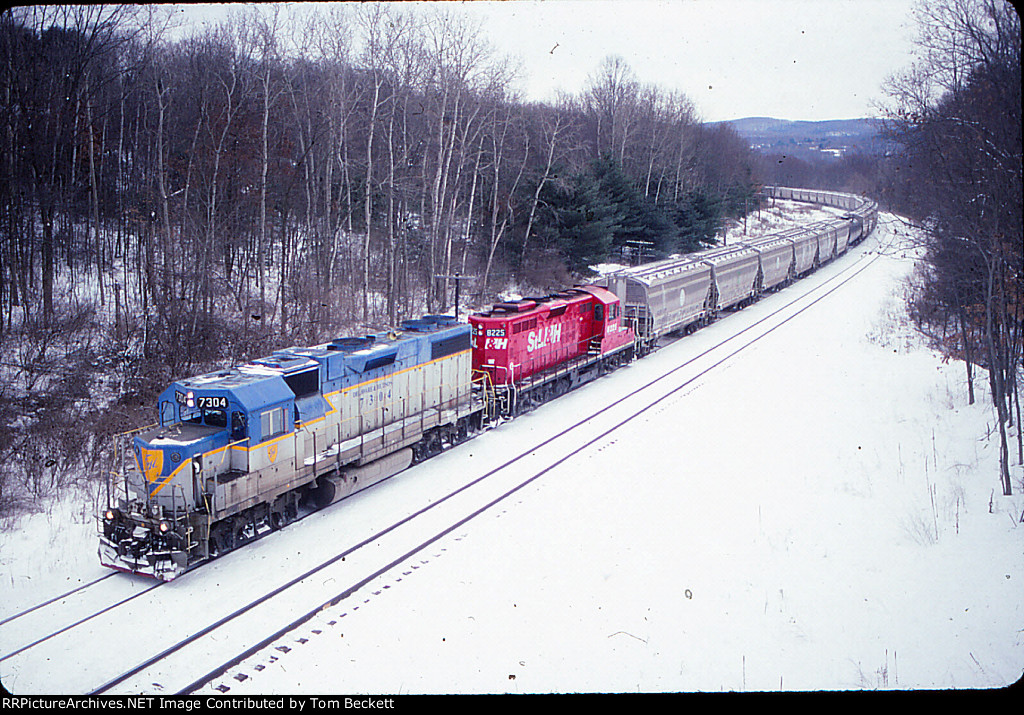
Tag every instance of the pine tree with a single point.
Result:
(578, 221)
(638, 220)
(697, 218)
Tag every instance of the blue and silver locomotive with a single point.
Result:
(240, 451)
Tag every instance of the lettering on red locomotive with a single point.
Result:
(548, 335)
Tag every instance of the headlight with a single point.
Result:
(164, 527)
(109, 516)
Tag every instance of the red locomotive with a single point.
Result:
(530, 350)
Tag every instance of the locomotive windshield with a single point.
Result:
(215, 418)
(205, 416)
(202, 410)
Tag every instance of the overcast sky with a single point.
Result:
(789, 59)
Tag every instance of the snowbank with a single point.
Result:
(821, 512)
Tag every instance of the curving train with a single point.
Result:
(241, 451)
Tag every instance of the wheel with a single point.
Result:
(238, 529)
(277, 520)
(278, 514)
(222, 539)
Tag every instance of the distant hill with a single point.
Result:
(828, 139)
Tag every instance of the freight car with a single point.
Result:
(682, 294)
(239, 452)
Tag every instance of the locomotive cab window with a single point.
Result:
(215, 418)
(238, 425)
(272, 422)
(208, 417)
(599, 312)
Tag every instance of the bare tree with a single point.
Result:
(260, 33)
(957, 113)
(78, 39)
(612, 99)
(552, 127)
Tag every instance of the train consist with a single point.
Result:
(242, 451)
(685, 293)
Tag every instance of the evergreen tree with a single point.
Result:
(578, 221)
(638, 219)
(697, 218)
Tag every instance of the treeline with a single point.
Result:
(957, 116)
(264, 177)
(171, 203)
(859, 173)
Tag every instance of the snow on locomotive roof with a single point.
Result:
(552, 301)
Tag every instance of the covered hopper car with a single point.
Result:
(682, 294)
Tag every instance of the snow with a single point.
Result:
(777, 215)
(821, 511)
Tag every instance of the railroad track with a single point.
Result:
(185, 663)
(36, 625)
(44, 604)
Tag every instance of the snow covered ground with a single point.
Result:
(821, 512)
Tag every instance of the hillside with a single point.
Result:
(833, 138)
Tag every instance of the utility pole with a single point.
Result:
(458, 280)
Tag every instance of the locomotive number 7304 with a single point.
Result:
(202, 402)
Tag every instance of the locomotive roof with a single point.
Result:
(553, 301)
(251, 385)
(516, 307)
(261, 382)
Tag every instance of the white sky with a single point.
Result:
(789, 59)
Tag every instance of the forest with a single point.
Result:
(172, 202)
(956, 115)
(313, 185)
